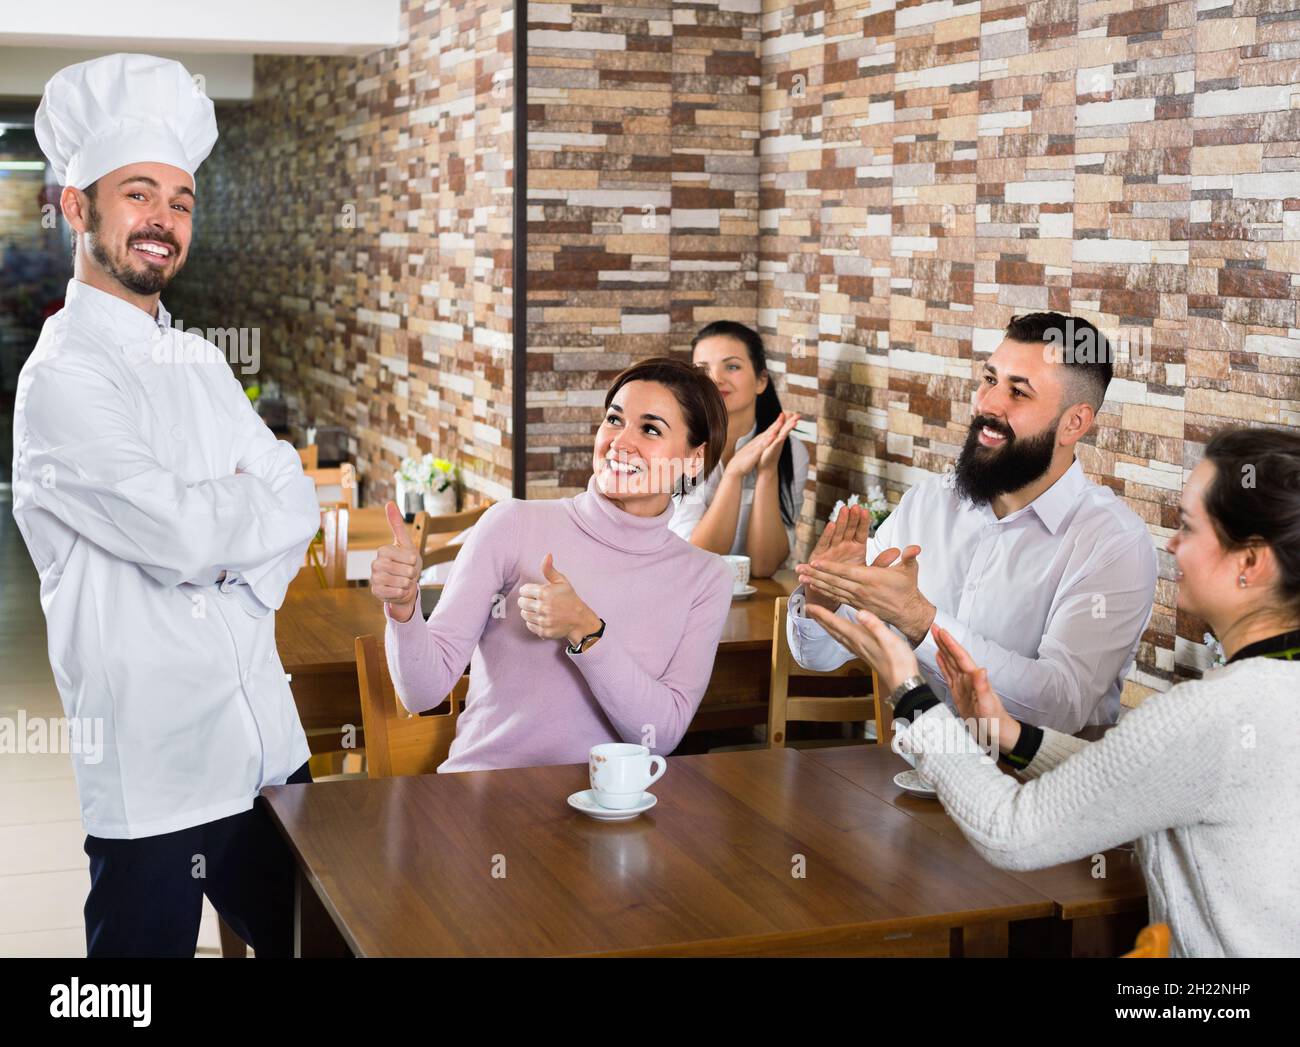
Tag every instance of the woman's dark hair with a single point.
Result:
(767, 407)
(698, 397)
(1255, 497)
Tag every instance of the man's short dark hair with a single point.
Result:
(1077, 345)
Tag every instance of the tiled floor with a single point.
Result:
(43, 873)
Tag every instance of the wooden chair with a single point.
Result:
(1152, 943)
(327, 555)
(310, 456)
(336, 485)
(398, 742)
(334, 526)
(784, 707)
(427, 525)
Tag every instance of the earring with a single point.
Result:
(1241, 581)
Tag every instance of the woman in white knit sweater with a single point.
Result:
(1206, 777)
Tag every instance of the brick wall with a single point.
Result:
(642, 201)
(358, 213)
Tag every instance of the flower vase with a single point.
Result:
(440, 503)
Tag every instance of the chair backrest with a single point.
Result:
(310, 456)
(326, 565)
(334, 566)
(783, 706)
(426, 525)
(1152, 943)
(398, 742)
(335, 485)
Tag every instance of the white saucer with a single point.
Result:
(911, 782)
(585, 802)
(744, 593)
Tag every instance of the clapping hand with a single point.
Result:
(843, 540)
(886, 588)
(764, 450)
(872, 641)
(775, 437)
(971, 692)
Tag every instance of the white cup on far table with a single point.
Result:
(739, 573)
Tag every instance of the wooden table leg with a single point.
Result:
(984, 939)
(1099, 936)
(1106, 936)
(314, 933)
(1046, 936)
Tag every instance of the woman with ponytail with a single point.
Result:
(750, 501)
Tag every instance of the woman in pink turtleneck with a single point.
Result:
(536, 580)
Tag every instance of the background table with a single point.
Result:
(368, 529)
(315, 630)
(1092, 915)
(496, 863)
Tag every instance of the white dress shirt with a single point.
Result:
(690, 510)
(1051, 599)
(139, 478)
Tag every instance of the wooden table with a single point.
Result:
(1091, 916)
(742, 669)
(494, 863)
(315, 630)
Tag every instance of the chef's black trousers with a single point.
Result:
(146, 895)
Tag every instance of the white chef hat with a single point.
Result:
(123, 109)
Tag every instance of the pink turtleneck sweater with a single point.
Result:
(664, 603)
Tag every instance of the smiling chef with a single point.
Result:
(165, 521)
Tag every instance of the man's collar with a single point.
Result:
(127, 322)
(1054, 504)
(1051, 507)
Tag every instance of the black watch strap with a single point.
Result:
(915, 702)
(1026, 748)
(581, 645)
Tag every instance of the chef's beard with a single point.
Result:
(983, 473)
(141, 281)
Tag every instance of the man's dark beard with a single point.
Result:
(148, 281)
(983, 473)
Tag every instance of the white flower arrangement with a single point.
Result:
(876, 503)
(1215, 648)
(426, 474)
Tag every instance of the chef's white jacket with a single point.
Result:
(141, 474)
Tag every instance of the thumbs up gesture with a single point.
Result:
(395, 570)
(552, 610)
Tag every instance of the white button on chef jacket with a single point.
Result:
(141, 474)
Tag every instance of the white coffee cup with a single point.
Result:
(620, 772)
(894, 742)
(739, 572)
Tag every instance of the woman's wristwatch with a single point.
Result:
(910, 684)
(587, 641)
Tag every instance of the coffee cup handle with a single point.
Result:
(656, 775)
(893, 744)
